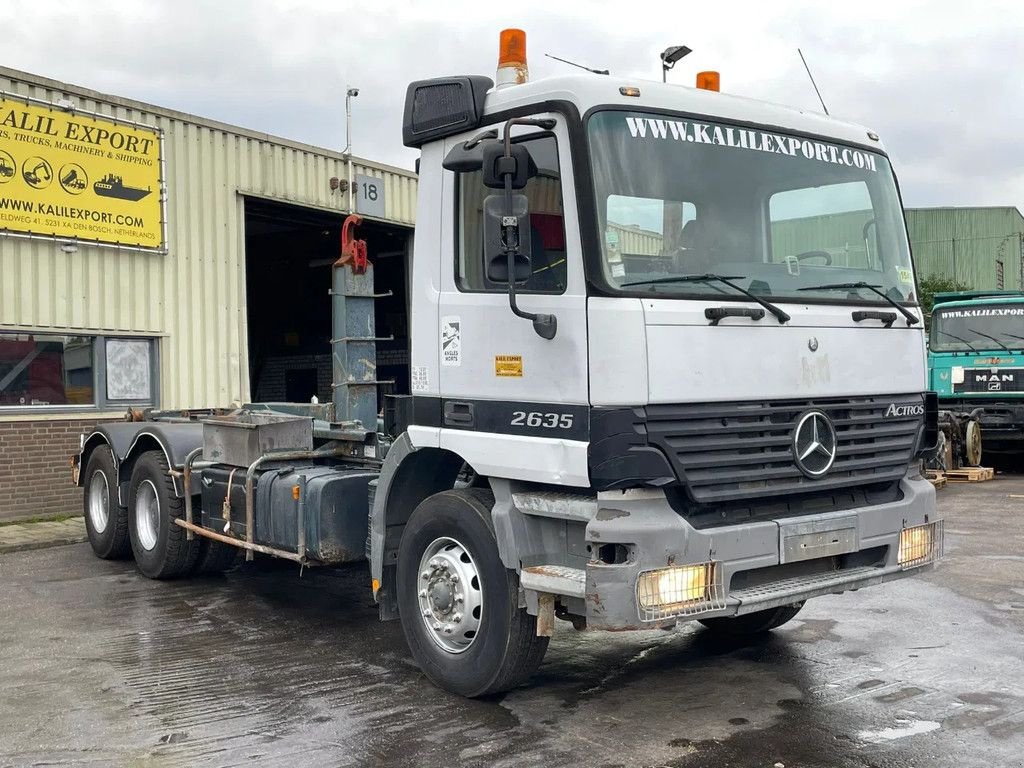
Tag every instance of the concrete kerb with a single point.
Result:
(19, 537)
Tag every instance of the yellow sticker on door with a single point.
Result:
(508, 365)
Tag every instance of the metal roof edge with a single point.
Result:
(29, 78)
(965, 208)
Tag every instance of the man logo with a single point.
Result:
(814, 444)
(903, 410)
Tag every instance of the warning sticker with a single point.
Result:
(508, 365)
(451, 340)
(420, 378)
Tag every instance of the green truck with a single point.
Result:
(976, 365)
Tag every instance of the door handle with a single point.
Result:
(458, 413)
(717, 314)
(887, 318)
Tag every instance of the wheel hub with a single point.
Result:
(147, 514)
(450, 599)
(99, 502)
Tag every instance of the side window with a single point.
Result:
(824, 226)
(547, 226)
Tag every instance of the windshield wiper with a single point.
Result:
(954, 336)
(780, 314)
(980, 333)
(911, 319)
(1014, 336)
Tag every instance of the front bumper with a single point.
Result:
(756, 566)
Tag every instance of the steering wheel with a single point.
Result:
(815, 255)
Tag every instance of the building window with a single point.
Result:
(129, 366)
(51, 371)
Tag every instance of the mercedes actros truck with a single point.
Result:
(667, 365)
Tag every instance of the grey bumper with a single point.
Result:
(658, 537)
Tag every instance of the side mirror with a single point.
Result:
(499, 229)
(517, 165)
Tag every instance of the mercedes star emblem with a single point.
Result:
(812, 344)
(814, 444)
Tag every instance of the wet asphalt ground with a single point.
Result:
(99, 666)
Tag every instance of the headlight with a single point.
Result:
(678, 590)
(919, 545)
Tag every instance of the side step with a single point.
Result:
(558, 504)
(555, 580)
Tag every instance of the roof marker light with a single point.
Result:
(512, 69)
(709, 81)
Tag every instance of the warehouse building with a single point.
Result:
(979, 248)
(151, 258)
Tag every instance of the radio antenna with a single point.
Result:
(812, 80)
(574, 64)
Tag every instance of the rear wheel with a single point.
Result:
(106, 522)
(161, 548)
(753, 623)
(458, 603)
(215, 557)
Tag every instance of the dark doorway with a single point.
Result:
(289, 253)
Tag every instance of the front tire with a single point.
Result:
(467, 633)
(161, 548)
(755, 623)
(106, 521)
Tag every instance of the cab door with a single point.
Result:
(514, 404)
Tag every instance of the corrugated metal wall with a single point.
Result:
(637, 242)
(194, 296)
(968, 244)
(845, 230)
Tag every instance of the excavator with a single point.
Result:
(40, 174)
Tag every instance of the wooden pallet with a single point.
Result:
(970, 474)
(936, 477)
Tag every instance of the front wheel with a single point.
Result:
(753, 623)
(458, 604)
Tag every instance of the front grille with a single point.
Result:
(991, 380)
(725, 452)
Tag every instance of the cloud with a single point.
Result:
(938, 82)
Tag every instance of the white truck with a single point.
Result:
(667, 365)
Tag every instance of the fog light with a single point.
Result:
(917, 545)
(670, 590)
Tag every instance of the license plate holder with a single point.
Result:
(806, 540)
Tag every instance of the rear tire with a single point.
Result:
(161, 548)
(755, 623)
(215, 557)
(493, 645)
(106, 521)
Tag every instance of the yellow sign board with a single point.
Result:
(78, 176)
(508, 365)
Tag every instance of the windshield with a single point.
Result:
(781, 213)
(989, 327)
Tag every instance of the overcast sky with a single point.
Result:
(942, 82)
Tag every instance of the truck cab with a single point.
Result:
(976, 362)
(728, 415)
